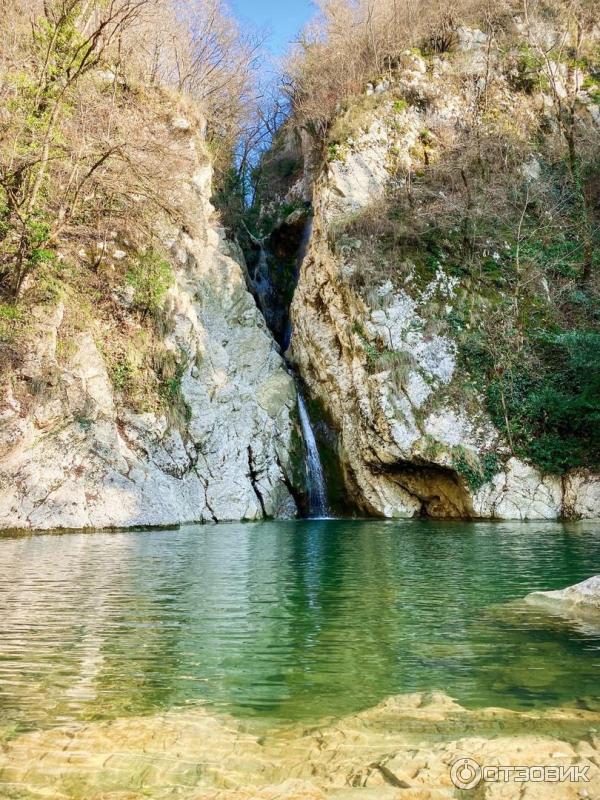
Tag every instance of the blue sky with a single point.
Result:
(284, 18)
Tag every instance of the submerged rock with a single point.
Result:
(403, 748)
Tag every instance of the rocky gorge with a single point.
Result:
(299, 401)
(381, 341)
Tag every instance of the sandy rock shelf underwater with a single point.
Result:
(403, 748)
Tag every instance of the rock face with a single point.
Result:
(72, 456)
(583, 598)
(383, 364)
(405, 441)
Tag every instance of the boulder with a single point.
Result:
(581, 599)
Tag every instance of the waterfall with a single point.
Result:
(278, 321)
(317, 491)
(263, 287)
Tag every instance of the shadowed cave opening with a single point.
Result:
(440, 490)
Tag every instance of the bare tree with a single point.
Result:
(561, 53)
(78, 128)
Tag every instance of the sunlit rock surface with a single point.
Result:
(72, 457)
(583, 599)
(413, 437)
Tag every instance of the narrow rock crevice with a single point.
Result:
(272, 281)
(253, 475)
(204, 483)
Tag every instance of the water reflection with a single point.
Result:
(291, 620)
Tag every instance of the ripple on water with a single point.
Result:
(292, 620)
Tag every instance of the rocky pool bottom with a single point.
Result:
(295, 660)
(404, 748)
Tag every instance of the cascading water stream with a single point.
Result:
(263, 287)
(267, 300)
(317, 492)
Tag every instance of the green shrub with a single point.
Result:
(335, 152)
(592, 86)
(151, 276)
(549, 405)
(371, 351)
(121, 374)
(9, 312)
(10, 317)
(528, 72)
(476, 471)
(170, 369)
(170, 386)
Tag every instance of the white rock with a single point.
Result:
(532, 169)
(181, 124)
(78, 459)
(520, 492)
(106, 75)
(584, 597)
(581, 496)
(471, 38)
(451, 427)
(382, 86)
(417, 389)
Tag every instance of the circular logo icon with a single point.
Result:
(465, 773)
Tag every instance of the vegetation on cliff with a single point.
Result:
(507, 202)
(98, 103)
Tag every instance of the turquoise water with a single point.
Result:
(290, 620)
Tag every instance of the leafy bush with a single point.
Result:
(171, 371)
(9, 312)
(151, 276)
(550, 404)
(527, 74)
(121, 374)
(10, 316)
(477, 472)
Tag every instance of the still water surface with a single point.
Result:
(290, 620)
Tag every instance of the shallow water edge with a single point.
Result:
(405, 747)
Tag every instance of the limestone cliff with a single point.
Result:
(378, 337)
(74, 454)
